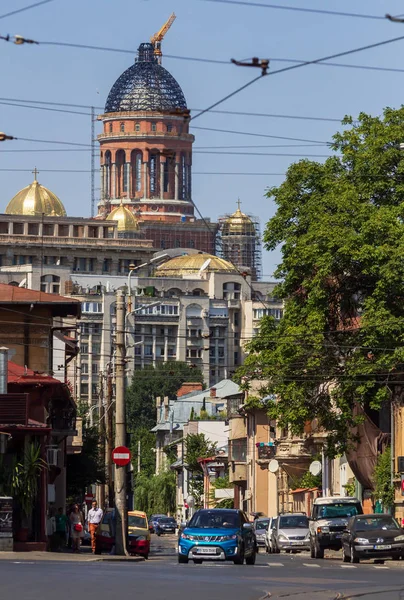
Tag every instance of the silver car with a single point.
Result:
(292, 533)
(261, 531)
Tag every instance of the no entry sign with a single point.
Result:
(121, 456)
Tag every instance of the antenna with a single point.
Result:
(157, 38)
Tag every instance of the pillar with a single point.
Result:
(128, 179)
(10, 228)
(145, 181)
(161, 166)
(177, 178)
(113, 177)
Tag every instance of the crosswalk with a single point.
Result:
(278, 565)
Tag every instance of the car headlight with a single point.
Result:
(324, 529)
(282, 538)
(307, 536)
(399, 538)
(226, 538)
(363, 540)
(185, 536)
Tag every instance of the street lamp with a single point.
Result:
(133, 268)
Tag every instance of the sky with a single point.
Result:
(203, 29)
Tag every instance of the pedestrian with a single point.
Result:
(62, 526)
(76, 527)
(94, 519)
(50, 530)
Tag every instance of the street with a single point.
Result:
(297, 577)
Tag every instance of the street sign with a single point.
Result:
(121, 456)
(89, 497)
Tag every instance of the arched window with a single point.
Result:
(231, 290)
(120, 173)
(136, 162)
(153, 127)
(137, 126)
(50, 284)
(107, 181)
(169, 127)
(183, 178)
(153, 175)
(110, 127)
(122, 127)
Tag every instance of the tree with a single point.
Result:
(384, 490)
(155, 494)
(197, 446)
(340, 224)
(86, 468)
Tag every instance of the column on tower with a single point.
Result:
(113, 179)
(145, 174)
(177, 176)
(136, 161)
(162, 165)
(127, 176)
(120, 183)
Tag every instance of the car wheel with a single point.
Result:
(318, 551)
(146, 556)
(182, 559)
(345, 557)
(250, 560)
(312, 551)
(379, 562)
(353, 557)
(277, 550)
(239, 560)
(198, 561)
(158, 534)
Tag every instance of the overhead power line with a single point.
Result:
(265, 135)
(20, 10)
(303, 9)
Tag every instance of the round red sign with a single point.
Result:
(121, 456)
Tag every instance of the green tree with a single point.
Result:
(197, 446)
(340, 226)
(147, 441)
(384, 490)
(155, 494)
(86, 468)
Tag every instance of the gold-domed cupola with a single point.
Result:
(36, 199)
(238, 224)
(128, 224)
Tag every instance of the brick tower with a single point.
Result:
(146, 155)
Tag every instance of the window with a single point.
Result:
(122, 127)
(94, 388)
(258, 313)
(162, 244)
(106, 265)
(238, 450)
(236, 358)
(148, 350)
(153, 175)
(54, 260)
(178, 243)
(194, 352)
(138, 172)
(94, 328)
(236, 319)
(125, 168)
(153, 127)
(84, 389)
(110, 127)
(123, 265)
(94, 368)
(92, 307)
(169, 127)
(137, 126)
(231, 291)
(83, 348)
(33, 228)
(50, 284)
(84, 368)
(22, 260)
(80, 264)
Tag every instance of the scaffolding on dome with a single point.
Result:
(239, 242)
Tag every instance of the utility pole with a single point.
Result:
(120, 426)
(101, 431)
(109, 437)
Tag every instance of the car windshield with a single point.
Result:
(167, 520)
(372, 523)
(261, 524)
(294, 522)
(136, 521)
(338, 510)
(207, 519)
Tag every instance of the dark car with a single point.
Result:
(153, 521)
(218, 534)
(372, 536)
(165, 525)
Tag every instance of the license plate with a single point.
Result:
(338, 535)
(296, 543)
(206, 550)
(384, 547)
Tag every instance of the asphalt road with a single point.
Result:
(291, 577)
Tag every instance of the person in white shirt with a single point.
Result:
(94, 519)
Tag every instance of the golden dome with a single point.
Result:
(125, 217)
(191, 264)
(238, 224)
(35, 199)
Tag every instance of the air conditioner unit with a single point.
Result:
(52, 456)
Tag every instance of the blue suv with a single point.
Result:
(218, 534)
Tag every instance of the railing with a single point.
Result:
(74, 241)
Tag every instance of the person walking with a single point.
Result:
(94, 519)
(76, 527)
(62, 525)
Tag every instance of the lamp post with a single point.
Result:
(133, 268)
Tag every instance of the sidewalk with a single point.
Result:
(66, 557)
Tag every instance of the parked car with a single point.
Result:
(218, 534)
(261, 531)
(372, 536)
(271, 535)
(165, 525)
(138, 533)
(153, 521)
(329, 519)
(291, 533)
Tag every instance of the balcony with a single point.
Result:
(238, 473)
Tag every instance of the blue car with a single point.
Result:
(218, 534)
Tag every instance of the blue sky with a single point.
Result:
(202, 29)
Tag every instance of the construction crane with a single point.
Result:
(157, 38)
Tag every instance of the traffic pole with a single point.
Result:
(120, 427)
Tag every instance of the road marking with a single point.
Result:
(377, 567)
(275, 564)
(347, 566)
(311, 565)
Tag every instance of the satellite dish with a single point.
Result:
(315, 467)
(273, 465)
(204, 266)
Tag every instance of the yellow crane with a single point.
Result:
(157, 38)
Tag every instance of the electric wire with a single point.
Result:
(264, 135)
(23, 9)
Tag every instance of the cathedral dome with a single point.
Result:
(35, 199)
(127, 221)
(191, 264)
(238, 224)
(146, 86)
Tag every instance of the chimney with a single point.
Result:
(213, 392)
(3, 369)
(188, 387)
